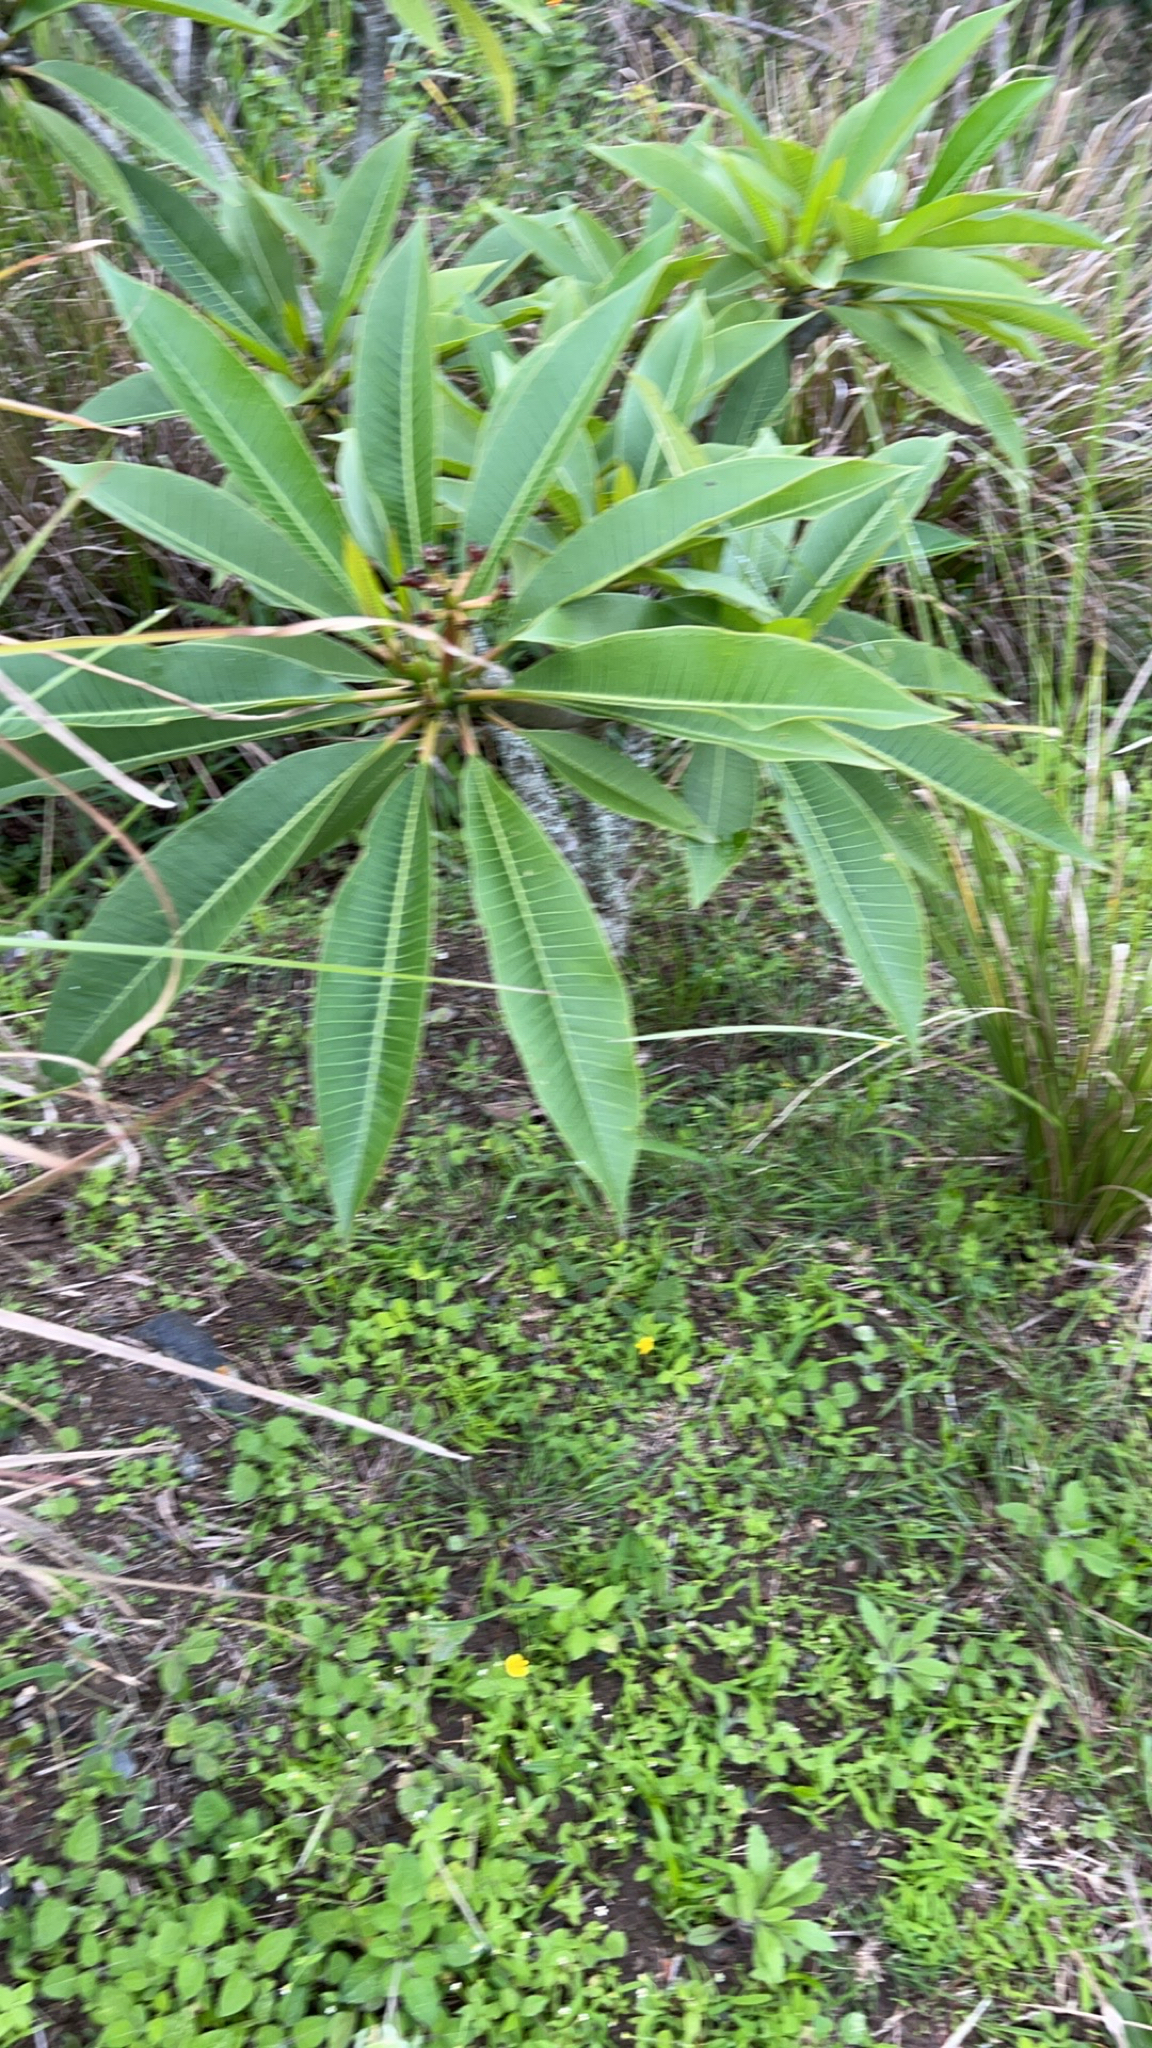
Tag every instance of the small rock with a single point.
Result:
(181, 1338)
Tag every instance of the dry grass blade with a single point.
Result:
(50, 256)
(136, 1354)
(967, 2026)
(27, 1461)
(33, 1155)
(61, 419)
(120, 1133)
(134, 1032)
(73, 744)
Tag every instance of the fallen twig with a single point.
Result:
(136, 1354)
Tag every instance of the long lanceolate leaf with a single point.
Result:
(574, 1036)
(209, 525)
(860, 886)
(137, 113)
(693, 186)
(757, 679)
(960, 285)
(840, 546)
(216, 13)
(215, 870)
(361, 226)
(93, 164)
(235, 413)
(976, 776)
(138, 705)
(872, 134)
(368, 1022)
(608, 777)
(983, 129)
(944, 373)
(722, 787)
(394, 397)
(494, 58)
(535, 419)
(674, 357)
(643, 528)
(179, 236)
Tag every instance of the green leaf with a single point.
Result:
(722, 788)
(207, 1924)
(976, 138)
(673, 358)
(261, 239)
(945, 374)
(561, 996)
(368, 1026)
(976, 776)
(209, 525)
(672, 446)
(394, 396)
(218, 14)
(914, 664)
(741, 490)
(191, 1977)
(953, 283)
(860, 887)
(215, 869)
(419, 18)
(1019, 227)
(232, 410)
(944, 214)
(141, 746)
(135, 113)
(294, 221)
(693, 186)
(236, 1994)
(731, 592)
(875, 132)
(739, 348)
(541, 236)
(840, 546)
(129, 402)
(179, 236)
(84, 156)
(610, 778)
(493, 56)
(360, 793)
(50, 1922)
(754, 397)
(81, 1844)
(273, 1948)
(535, 419)
(360, 228)
(759, 679)
(595, 618)
(232, 675)
(904, 820)
(792, 739)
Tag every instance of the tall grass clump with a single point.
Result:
(1054, 959)
(1053, 956)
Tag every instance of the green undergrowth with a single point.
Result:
(774, 1670)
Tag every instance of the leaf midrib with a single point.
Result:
(512, 873)
(187, 928)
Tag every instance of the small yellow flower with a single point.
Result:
(644, 1345)
(517, 1666)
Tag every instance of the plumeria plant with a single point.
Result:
(498, 584)
(835, 235)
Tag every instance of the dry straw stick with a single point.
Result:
(136, 1354)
